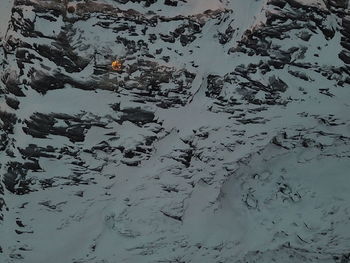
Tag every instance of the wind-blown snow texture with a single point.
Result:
(225, 138)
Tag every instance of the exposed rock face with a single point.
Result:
(224, 138)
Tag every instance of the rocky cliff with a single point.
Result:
(225, 137)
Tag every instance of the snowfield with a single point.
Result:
(225, 138)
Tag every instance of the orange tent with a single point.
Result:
(116, 65)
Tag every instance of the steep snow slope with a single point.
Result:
(5, 14)
(225, 138)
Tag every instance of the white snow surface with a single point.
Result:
(5, 14)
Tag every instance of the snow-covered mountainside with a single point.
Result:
(224, 138)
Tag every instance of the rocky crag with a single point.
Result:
(224, 138)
